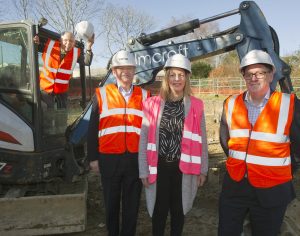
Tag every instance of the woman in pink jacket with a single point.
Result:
(173, 157)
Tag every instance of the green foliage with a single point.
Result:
(200, 69)
(294, 62)
(231, 58)
(227, 66)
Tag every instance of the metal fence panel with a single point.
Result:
(227, 86)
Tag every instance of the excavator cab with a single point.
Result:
(37, 165)
(32, 136)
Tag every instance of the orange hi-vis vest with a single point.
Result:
(120, 122)
(55, 74)
(261, 151)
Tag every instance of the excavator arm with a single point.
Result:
(253, 32)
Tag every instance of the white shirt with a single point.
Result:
(126, 94)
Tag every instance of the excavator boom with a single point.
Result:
(253, 32)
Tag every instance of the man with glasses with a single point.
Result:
(259, 133)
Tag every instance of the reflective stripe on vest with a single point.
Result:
(263, 148)
(56, 79)
(151, 147)
(277, 138)
(259, 160)
(195, 140)
(119, 129)
(55, 70)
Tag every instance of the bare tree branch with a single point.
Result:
(63, 15)
(23, 8)
(121, 23)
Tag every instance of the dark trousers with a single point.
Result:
(168, 197)
(121, 186)
(239, 199)
(60, 100)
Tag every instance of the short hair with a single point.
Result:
(165, 91)
(67, 32)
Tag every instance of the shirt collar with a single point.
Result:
(266, 98)
(122, 90)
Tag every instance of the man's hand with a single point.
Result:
(90, 42)
(201, 180)
(94, 166)
(36, 39)
(145, 182)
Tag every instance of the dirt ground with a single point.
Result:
(203, 218)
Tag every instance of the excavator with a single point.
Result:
(43, 184)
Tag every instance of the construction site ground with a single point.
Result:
(203, 218)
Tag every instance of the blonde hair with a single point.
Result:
(165, 91)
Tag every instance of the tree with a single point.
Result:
(24, 8)
(63, 15)
(200, 69)
(294, 62)
(121, 23)
(228, 66)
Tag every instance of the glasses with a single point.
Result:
(258, 75)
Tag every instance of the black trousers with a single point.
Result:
(121, 186)
(168, 198)
(238, 199)
(60, 100)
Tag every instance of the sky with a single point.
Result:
(282, 15)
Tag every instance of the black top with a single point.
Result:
(170, 130)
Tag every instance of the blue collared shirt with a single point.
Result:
(126, 94)
(255, 110)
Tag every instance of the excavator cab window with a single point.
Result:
(15, 69)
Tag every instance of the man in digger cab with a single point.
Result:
(59, 60)
(260, 134)
(113, 142)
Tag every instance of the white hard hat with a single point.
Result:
(84, 29)
(123, 58)
(179, 61)
(256, 57)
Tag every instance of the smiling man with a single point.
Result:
(259, 133)
(113, 139)
(59, 60)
